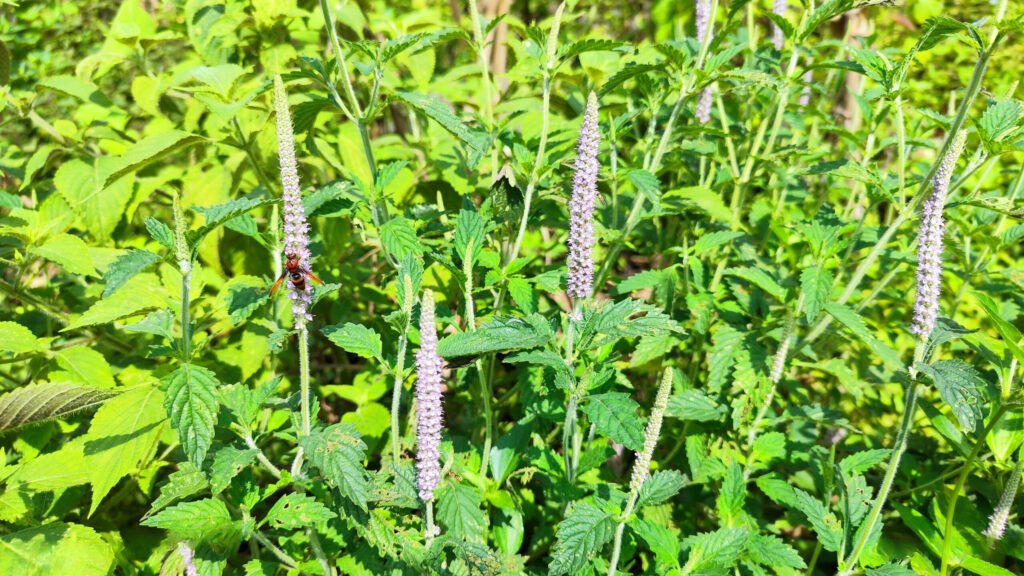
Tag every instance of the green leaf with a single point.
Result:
(660, 487)
(220, 214)
(47, 401)
(708, 201)
(55, 548)
(191, 403)
(772, 552)
(769, 446)
(999, 120)
(696, 406)
(357, 339)
(825, 523)
(469, 236)
(829, 10)
(188, 480)
(99, 206)
(228, 462)
(711, 240)
(70, 252)
(157, 322)
(86, 366)
(891, 570)
(125, 267)
(296, 512)
(573, 49)
(761, 279)
(961, 387)
(220, 78)
(1011, 336)
(244, 296)
(860, 462)
(580, 537)
(17, 339)
(337, 452)
(726, 340)
(498, 335)
(614, 414)
(199, 522)
(523, 294)
(146, 152)
(458, 509)
(122, 438)
(160, 232)
(714, 550)
(142, 292)
(816, 283)
(646, 184)
(610, 322)
(627, 72)
(435, 110)
(855, 324)
(399, 238)
(732, 495)
(79, 88)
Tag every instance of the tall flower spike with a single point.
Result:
(296, 229)
(930, 241)
(1001, 515)
(703, 18)
(181, 253)
(581, 205)
(642, 466)
(779, 9)
(428, 401)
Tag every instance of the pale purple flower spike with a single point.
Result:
(929, 244)
(430, 415)
(296, 229)
(703, 18)
(1001, 515)
(779, 8)
(805, 94)
(188, 559)
(581, 205)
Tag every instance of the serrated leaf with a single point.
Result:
(726, 340)
(17, 339)
(732, 495)
(523, 294)
(609, 322)
(816, 283)
(706, 200)
(191, 403)
(70, 252)
(458, 509)
(244, 296)
(761, 279)
(891, 569)
(160, 232)
(56, 548)
(630, 70)
(498, 335)
(769, 446)
(219, 214)
(578, 47)
(126, 266)
(696, 406)
(580, 537)
(849, 318)
(660, 487)
(201, 521)
(659, 539)
(146, 152)
(999, 120)
(825, 523)
(614, 414)
(646, 184)
(1011, 336)
(712, 240)
(188, 480)
(85, 366)
(98, 206)
(719, 549)
(961, 388)
(337, 452)
(122, 437)
(227, 463)
(142, 292)
(772, 552)
(297, 511)
(438, 112)
(357, 339)
(860, 462)
(47, 401)
(399, 239)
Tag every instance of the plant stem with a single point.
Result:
(485, 387)
(277, 552)
(617, 544)
(305, 421)
(487, 100)
(868, 525)
(570, 428)
(318, 551)
(428, 532)
(186, 320)
(535, 172)
(396, 394)
(947, 535)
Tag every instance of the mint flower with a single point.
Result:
(581, 205)
(642, 466)
(778, 8)
(188, 559)
(296, 229)
(1001, 515)
(429, 419)
(930, 243)
(703, 18)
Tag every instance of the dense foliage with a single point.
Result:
(603, 290)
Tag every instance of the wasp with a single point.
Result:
(294, 272)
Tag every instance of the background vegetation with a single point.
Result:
(151, 420)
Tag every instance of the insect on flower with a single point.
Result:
(295, 273)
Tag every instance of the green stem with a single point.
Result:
(186, 320)
(613, 565)
(304, 408)
(428, 532)
(354, 109)
(277, 552)
(487, 100)
(318, 551)
(947, 537)
(535, 172)
(396, 395)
